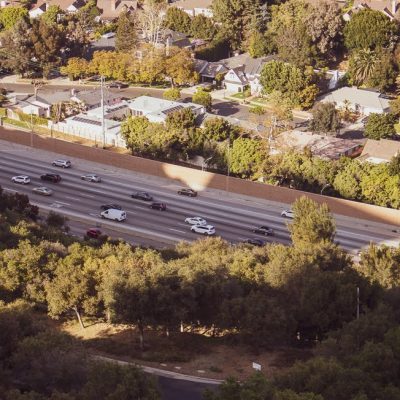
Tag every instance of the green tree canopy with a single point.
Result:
(177, 20)
(380, 126)
(125, 39)
(325, 118)
(10, 15)
(369, 29)
(202, 27)
(246, 157)
(203, 98)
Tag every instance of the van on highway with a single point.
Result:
(114, 214)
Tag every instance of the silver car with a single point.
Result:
(43, 190)
(195, 221)
(62, 163)
(203, 229)
(91, 178)
(22, 179)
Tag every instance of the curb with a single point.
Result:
(163, 373)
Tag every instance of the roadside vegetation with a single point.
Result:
(299, 295)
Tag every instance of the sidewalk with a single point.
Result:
(162, 372)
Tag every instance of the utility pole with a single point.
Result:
(228, 156)
(103, 128)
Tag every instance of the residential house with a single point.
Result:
(111, 9)
(167, 38)
(90, 99)
(209, 71)
(157, 110)
(387, 7)
(195, 7)
(362, 101)
(244, 71)
(380, 151)
(326, 147)
(91, 127)
(69, 6)
(29, 104)
(117, 111)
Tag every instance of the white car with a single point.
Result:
(91, 178)
(287, 214)
(195, 221)
(43, 190)
(203, 229)
(23, 179)
(62, 163)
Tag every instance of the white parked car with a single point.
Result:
(62, 163)
(195, 221)
(23, 179)
(287, 214)
(203, 229)
(43, 190)
(91, 178)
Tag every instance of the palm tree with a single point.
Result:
(362, 65)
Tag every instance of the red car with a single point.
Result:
(93, 233)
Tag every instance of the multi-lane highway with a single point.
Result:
(232, 216)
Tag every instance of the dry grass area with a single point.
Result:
(185, 353)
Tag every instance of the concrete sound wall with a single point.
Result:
(198, 179)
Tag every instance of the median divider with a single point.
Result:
(114, 226)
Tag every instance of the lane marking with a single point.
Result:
(73, 198)
(61, 202)
(177, 230)
(55, 205)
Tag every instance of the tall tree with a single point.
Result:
(134, 130)
(125, 39)
(370, 29)
(202, 27)
(9, 16)
(362, 65)
(203, 98)
(325, 118)
(150, 19)
(312, 223)
(235, 17)
(246, 157)
(179, 67)
(380, 126)
(177, 20)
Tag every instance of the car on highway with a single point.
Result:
(195, 221)
(55, 178)
(158, 206)
(207, 230)
(142, 196)
(22, 179)
(93, 233)
(114, 214)
(108, 206)
(43, 190)
(91, 178)
(117, 85)
(255, 242)
(187, 192)
(264, 230)
(287, 214)
(61, 163)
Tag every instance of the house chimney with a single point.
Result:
(393, 4)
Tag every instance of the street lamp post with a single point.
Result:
(325, 187)
(228, 157)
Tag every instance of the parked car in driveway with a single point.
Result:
(195, 221)
(22, 179)
(264, 230)
(187, 192)
(44, 191)
(158, 206)
(254, 242)
(91, 178)
(142, 196)
(108, 206)
(93, 233)
(207, 230)
(287, 214)
(55, 178)
(62, 163)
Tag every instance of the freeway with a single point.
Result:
(233, 216)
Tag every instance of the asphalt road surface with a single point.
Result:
(232, 216)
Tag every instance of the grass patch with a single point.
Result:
(15, 122)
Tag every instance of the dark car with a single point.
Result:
(51, 178)
(117, 85)
(142, 196)
(108, 206)
(264, 230)
(255, 242)
(187, 192)
(93, 233)
(158, 206)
